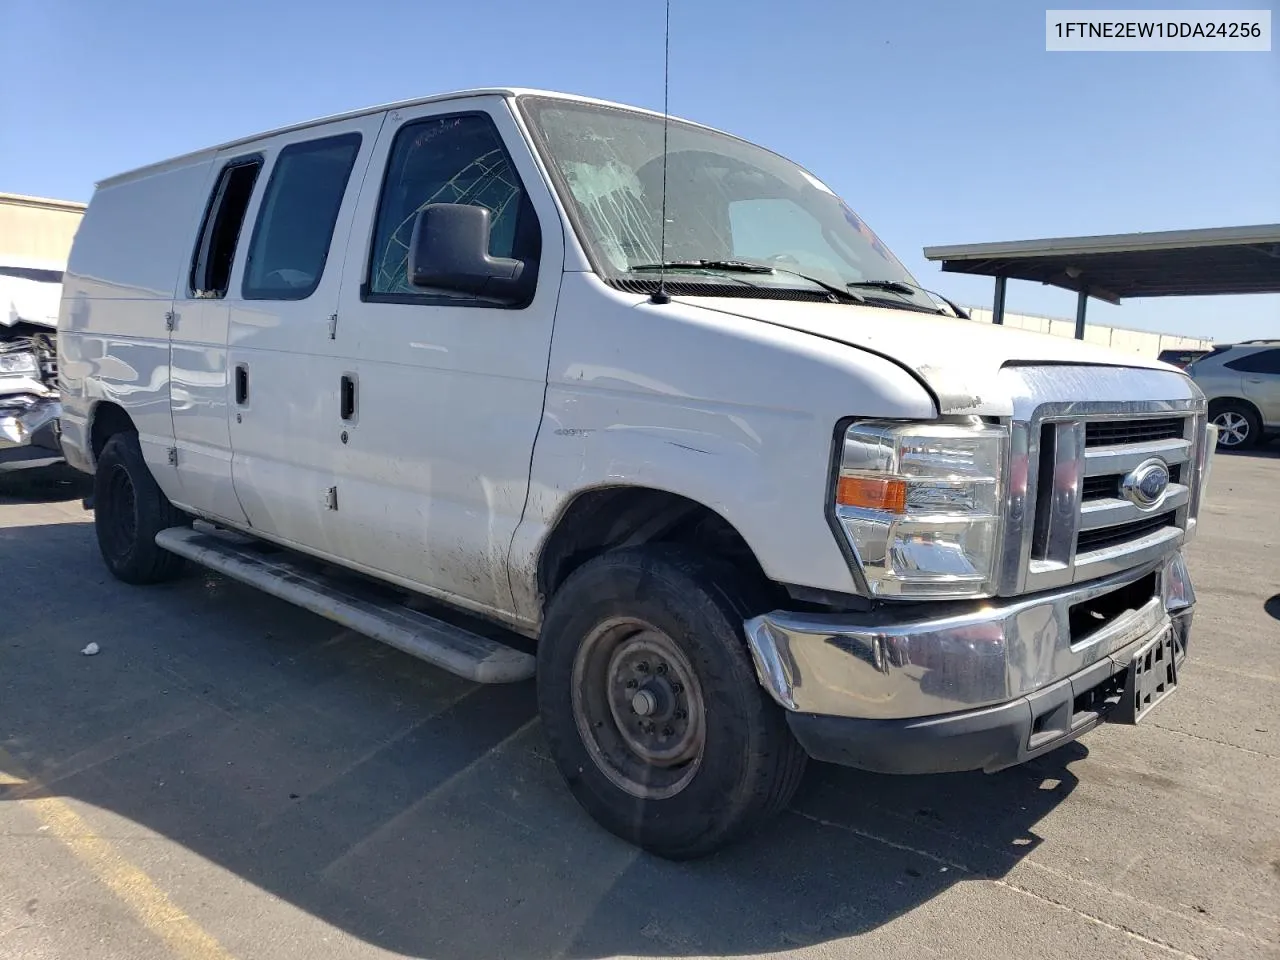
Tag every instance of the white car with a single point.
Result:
(755, 494)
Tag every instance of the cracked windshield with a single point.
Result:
(729, 205)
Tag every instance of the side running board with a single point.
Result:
(460, 651)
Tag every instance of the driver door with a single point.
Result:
(447, 391)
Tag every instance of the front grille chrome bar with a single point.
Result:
(1062, 467)
(1114, 512)
(1122, 459)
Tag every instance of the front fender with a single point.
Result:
(733, 414)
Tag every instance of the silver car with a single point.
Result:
(1242, 383)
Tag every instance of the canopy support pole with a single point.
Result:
(1082, 304)
(997, 307)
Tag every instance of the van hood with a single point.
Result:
(958, 360)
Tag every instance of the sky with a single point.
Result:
(939, 121)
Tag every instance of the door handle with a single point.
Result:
(242, 384)
(1255, 380)
(347, 397)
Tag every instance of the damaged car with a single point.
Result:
(30, 293)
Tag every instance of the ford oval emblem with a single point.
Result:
(1144, 486)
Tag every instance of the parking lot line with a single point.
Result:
(134, 888)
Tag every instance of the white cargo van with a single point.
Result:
(754, 493)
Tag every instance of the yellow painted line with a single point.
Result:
(137, 891)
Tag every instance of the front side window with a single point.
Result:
(726, 200)
(295, 225)
(1264, 361)
(453, 159)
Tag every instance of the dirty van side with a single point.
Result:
(755, 494)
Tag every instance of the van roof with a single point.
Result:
(351, 114)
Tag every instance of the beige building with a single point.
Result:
(36, 229)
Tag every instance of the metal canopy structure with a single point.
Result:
(1176, 263)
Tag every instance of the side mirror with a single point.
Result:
(449, 251)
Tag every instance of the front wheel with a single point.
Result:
(651, 705)
(129, 509)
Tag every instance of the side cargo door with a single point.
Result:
(448, 389)
(199, 375)
(284, 364)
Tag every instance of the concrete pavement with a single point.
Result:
(234, 778)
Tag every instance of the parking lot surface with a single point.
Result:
(230, 777)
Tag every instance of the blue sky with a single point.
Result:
(940, 122)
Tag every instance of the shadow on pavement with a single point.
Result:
(1272, 606)
(1266, 450)
(45, 484)
(421, 813)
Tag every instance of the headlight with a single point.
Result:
(920, 506)
(17, 363)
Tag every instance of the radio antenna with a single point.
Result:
(660, 295)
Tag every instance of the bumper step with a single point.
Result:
(470, 655)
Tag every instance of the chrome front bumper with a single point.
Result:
(945, 658)
(22, 418)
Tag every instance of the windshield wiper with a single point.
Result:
(842, 294)
(729, 266)
(893, 286)
(905, 288)
(745, 266)
(831, 288)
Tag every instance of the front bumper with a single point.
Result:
(26, 420)
(981, 686)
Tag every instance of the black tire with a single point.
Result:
(748, 766)
(1238, 423)
(129, 510)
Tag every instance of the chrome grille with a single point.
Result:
(1107, 485)
(1082, 517)
(1076, 433)
(1101, 487)
(1102, 537)
(1104, 433)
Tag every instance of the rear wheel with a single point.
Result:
(651, 706)
(1238, 424)
(129, 510)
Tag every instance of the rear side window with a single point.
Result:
(294, 231)
(454, 159)
(220, 231)
(1264, 361)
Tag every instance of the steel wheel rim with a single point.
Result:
(639, 709)
(1233, 429)
(122, 518)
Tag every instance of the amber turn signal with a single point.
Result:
(872, 493)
